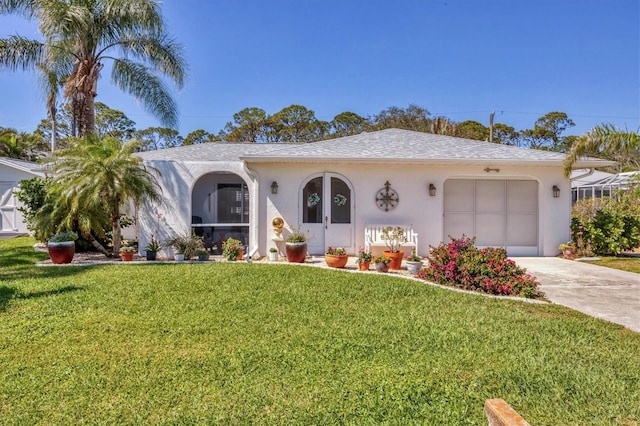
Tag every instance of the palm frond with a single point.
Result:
(19, 52)
(163, 53)
(136, 79)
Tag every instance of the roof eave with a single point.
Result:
(378, 160)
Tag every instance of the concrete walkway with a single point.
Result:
(598, 291)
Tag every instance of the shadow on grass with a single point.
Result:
(9, 293)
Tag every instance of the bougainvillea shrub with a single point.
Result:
(460, 263)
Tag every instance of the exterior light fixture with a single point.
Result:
(432, 190)
(556, 191)
(274, 187)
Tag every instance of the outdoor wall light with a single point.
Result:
(274, 187)
(432, 190)
(556, 191)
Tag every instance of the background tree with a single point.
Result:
(348, 123)
(504, 134)
(79, 36)
(153, 138)
(296, 123)
(472, 130)
(606, 141)
(546, 132)
(20, 145)
(413, 117)
(114, 123)
(443, 126)
(248, 126)
(102, 175)
(200, 136)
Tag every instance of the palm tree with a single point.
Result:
(80, 35)
(105, 175)
(606, 141)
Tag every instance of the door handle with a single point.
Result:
(326, 218)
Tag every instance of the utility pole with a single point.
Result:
(493, 113)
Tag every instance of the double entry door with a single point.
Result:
(326, 211)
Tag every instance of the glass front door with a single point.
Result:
(327, 211)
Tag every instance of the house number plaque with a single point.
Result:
(386, 198)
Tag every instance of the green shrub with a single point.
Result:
(461, 264)
(608, 225)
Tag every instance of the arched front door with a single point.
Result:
(326, 209)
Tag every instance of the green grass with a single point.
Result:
(631, 264)
(237, 343)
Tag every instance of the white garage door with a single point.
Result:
(499, 213)
(7, 207)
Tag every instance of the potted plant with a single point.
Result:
(126, 253)
(568, 249)
(364, 259)
(382, 263)
(62, 247)
(336, 257)
(152, 249)
(203, 255)
(414, 263)
(186, 245)
(394, 237)
(273, 254)
(232, 249)
(296, 246)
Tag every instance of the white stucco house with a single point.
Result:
(12, 171)
(504, 196)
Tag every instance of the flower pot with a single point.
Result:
(413, 267)
(179, 257)
(336, 261)
(364, 266)
(203, 257)
(126, 256)
(273, 256)
(382, 267)
(239, 257)
(396, 259)
(296, 252)
(61, 252)
(151, 255)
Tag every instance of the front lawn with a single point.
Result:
(631, 264)
(245, 343)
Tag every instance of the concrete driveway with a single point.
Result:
(601, 292)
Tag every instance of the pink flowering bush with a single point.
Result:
(461, 264)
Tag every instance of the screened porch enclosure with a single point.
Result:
(220, 210)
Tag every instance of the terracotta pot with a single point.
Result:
(382, 267)
(396, 259)
(127, 256)
(61, 252)
(296, 252)
(240, 256)
(364, 266)
(336, 261)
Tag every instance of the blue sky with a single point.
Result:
(457, 58)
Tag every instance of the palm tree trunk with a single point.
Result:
(96, 244)
(115, 226)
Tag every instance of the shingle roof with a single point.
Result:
(27, 166)
(391, 145)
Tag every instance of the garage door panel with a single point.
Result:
(458, 224)
(522, 196)
(499, 213)
(522, 230)
(490, 229)
(490, 196)
(459, 195)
